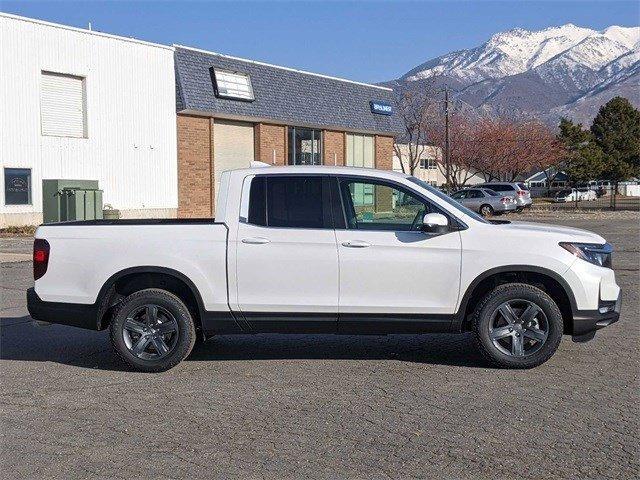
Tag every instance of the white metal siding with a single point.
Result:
(62, 106)
(130, 144)
(233, 147)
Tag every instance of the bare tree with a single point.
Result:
(415, 107)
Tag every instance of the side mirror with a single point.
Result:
(435, 223)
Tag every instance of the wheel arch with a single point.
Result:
(134, 279)
(548, 280)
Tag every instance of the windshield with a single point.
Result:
(523, 186)
(447, 199)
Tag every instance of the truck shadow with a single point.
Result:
(22, 340)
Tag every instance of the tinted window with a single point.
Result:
(17, 186)
(459, 195)
(295, 202)
(502, 188)
(257, 202)
(492, 193)
(523, 186)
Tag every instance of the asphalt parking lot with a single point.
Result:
(277, 406)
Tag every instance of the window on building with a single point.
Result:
(305, 146)
(17, 186)
(63, 106)
(234, 85)
(428, 164)
(389, 208)
(360, 151)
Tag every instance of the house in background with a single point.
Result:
(430, 168)
(539, 185)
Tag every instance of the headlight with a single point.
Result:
(591, 252)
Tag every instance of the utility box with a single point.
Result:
(66, 200)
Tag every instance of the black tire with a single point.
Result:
(549, 321)
(486, 210)
(179, 341)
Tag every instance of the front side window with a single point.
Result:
(305, 146)
(387, 208)
(17, 186)
(63, 105)
(289, 201)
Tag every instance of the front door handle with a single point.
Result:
(356, 244)
(256, 240)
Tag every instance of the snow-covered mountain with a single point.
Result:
(539, 73)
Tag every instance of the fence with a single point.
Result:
(627, 197)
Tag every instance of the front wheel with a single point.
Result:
(517, 325)
(152, 330)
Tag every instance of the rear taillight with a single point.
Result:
(521, 193)
(40, 257)
(505, 200)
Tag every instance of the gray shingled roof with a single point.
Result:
(281, 95)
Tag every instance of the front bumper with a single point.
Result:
(587, 322)
(72, 314)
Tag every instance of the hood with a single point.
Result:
(566, 234)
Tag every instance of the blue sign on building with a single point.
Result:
(381, 108)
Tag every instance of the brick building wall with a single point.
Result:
(195, 175)
(269, 138)
(333, 148)
(384, 152)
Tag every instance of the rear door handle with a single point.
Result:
(256, 240)
(356, 244)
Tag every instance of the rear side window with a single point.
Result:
(289, 202)
(502, 188)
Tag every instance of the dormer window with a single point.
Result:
(235, 85)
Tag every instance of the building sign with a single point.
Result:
(381, 108)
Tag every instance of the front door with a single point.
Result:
(393, 276)
(287, 261)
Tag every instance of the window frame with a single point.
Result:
(291, 145)
(327, 194)
(214, 74)
(29, 186)
(454, 223)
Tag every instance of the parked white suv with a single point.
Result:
(325, 250)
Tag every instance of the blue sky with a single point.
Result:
(361, 40)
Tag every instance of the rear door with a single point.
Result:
(287, 260)
(393, 277)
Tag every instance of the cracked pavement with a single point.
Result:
(284, 406)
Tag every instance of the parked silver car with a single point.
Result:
(485, 201)
(517, 190)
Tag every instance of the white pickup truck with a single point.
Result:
(325, 250)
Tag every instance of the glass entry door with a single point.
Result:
(305, 146)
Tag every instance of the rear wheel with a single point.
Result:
(517, 325)
(152, 330)
(486, 210)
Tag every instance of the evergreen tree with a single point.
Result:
(616, 130)
(583, 159)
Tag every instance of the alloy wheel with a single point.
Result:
(150, 332)
(518, 328)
